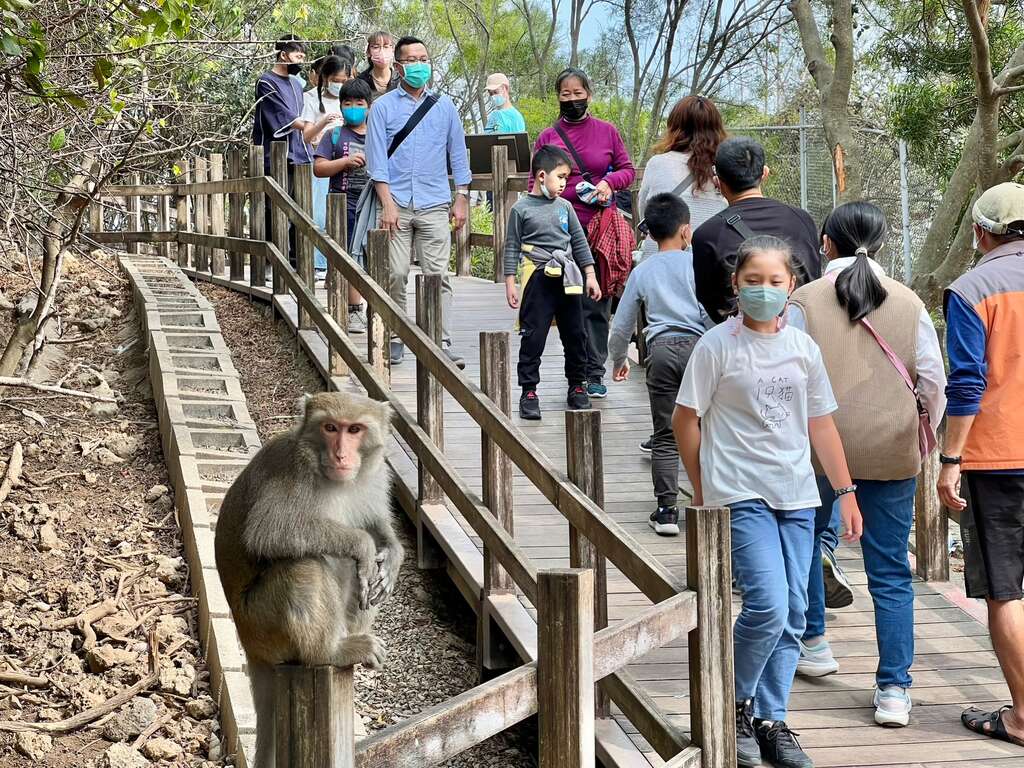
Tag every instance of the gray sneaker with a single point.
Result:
(748, 751)
(356, 321)
(455, 357)
(397, 352)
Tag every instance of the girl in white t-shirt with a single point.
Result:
(754, 398)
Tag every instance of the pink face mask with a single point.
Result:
(382, 56)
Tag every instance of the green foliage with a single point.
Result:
(481, 259)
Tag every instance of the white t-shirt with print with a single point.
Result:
(754, 393)
(311, 109)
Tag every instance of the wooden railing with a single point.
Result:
(575, 650)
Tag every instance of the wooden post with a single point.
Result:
(337, 286)
(279, 170)
(463, 253)
(133, 209)
(712, 695)
(96, 215)
(585, 466)
(314, 711)
(181, 211)
(493, 650)
(215, 203)
(236, 215)
(429, 413)
(303, 245)
(634, 205)
(257, 219)
(931, 525)
(565, 668)
(163, 220)
(378, 266)
(201, 261)
(499, 206)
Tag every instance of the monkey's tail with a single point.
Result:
(261, 678)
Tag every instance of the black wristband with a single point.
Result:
(944, 459)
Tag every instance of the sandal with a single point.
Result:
(976, 720)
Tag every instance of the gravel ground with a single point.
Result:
(428, 629)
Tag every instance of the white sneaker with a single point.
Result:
(817, 661)
(892, 706)
(356, 321)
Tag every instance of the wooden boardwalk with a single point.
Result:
(955, 664)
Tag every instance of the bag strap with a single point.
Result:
(414, 119)
(736, 222)
(575, 155)
(683, 185)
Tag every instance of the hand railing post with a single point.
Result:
(303, 244)
(931, 529)
(565, 668)
(499, 206)
(236, 215)
(493, 651)
(163, 222)
(202, 207)
(257, 218)
(279, 170)
(216, 208)
(712, 695)
(337, 286)
(378, 267)
(181, 211)
(585, 465)
(96, 214)
(133, 207)
(314, 717)
(429, 414)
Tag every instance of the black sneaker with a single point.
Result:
(529, 405)
(665, 521)
(780, 747)
(578, 399)
(647, 446)
(748, 751)
(838, 592)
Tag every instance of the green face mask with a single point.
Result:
(416, 73)
(762, 302)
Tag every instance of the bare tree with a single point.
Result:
(578, 12)
(541, 34)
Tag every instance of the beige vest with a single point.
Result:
(877, 416)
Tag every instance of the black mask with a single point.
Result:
(294, 68)
(574, 109)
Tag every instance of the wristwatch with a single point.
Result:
(843, 491)
(462, 191)
(944, 459)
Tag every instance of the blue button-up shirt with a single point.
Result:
(417, 173)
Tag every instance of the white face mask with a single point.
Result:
(544, 187)
(334, 89)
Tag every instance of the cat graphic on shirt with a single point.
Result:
(772, 395)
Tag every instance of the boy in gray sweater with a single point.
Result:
(544, 233)
(663, 283)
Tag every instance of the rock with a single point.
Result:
(90, 477)
(49, 714)
(161, 749)
(178, 679)
(168, 569)
(33, 745)
(104, 657)
(201, 708)
(138, 715)
(5, 303)
(14, 587)
(115, 624)
(169, 626)
(104, 456)
(156, 492)
(48, 538)
(123, 756)
(213, 749)
(123, 445)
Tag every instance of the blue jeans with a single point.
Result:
(320, 189)
(888, 510)
(771, 554)
(827, 523)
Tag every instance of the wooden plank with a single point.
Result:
(134, 216)
(181, 212)
(499, 205)
(303, 192)
(931, 528)
(216, 209)
(315, 717)
(200, 206)
(429, 394)
(279, 173)
(236, 213)
(377, 264)
(163, 224)
(257, 216)
(565, 671)
(337, 286)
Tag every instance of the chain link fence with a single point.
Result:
(801, 174)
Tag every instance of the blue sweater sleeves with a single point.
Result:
(965, 346)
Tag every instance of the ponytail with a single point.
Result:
(858, 229)
(329, 67)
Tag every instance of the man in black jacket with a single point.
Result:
(739, 172)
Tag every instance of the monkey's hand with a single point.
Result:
(361, 649)
(389, 563)
(363, 550)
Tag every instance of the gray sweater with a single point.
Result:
(663, 282)
(551, 225)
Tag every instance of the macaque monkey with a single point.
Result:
(305, 547)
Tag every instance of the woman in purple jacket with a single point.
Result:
(606, 164)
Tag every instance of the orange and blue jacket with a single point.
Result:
(984, 311)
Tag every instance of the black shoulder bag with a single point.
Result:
(414, 119)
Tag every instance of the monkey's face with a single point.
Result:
(341, 455)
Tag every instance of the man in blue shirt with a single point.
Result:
(416, 200)
(504, 118)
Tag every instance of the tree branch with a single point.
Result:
(11, 381)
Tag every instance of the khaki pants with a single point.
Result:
(426, 230)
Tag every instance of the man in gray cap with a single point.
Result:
(984, 329)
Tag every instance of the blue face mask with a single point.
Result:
(762, 302)
(354, 115)
(498, 101)
(416, 73)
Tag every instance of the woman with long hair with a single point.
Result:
(380, 74)
(883, 359)
(684, 160)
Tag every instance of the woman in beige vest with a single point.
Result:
(878, 421)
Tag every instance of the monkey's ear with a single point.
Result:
(385, 414)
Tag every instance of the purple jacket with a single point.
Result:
(600, 147)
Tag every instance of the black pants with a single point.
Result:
(667, 357)
(596, 319)
(268, 218)
(544, 298)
